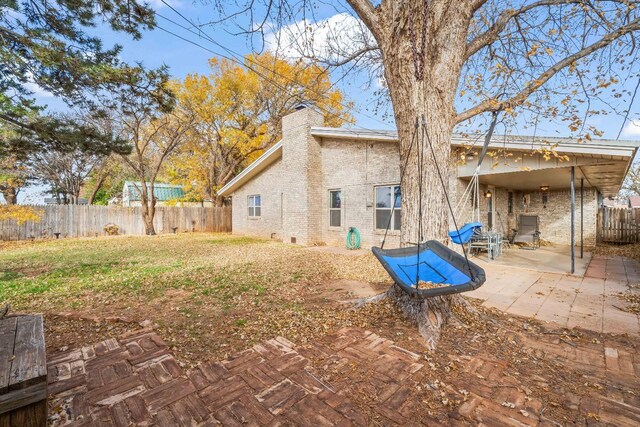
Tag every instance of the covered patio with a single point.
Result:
(561, 182)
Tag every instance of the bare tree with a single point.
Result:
(450, 62)
(142, 113)
(154, 141)
(631, 185)
(64, 172)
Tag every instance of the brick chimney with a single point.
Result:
(302, 189)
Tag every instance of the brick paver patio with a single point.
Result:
(136, 381)
(592, 302)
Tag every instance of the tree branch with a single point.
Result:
(491, 35)
(367, 12)
(358, 53)
(493, 104)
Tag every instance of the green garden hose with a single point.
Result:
(353, 238)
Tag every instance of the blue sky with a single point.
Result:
(158, 47)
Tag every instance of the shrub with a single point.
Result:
(111, 229)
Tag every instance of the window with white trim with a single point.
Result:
(335, 208)
(386, 197)
(254, 204)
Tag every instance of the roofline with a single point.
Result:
(346, 133)
(610, 147)
(155, 184)
(261, 163)
(625, 149)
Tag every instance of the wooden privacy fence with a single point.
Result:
(619, 225)
(89, 221)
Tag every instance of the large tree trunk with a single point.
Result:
(94, 193)
(148, 212)
(423, 82)
(218, 201)
(148, 208)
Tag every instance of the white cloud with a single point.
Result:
(31, 86)
(332, 39)
(632, 129)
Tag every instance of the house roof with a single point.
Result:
(634, 201)
(260, 164)
(599, 147)
(161, 191)
(607, 149)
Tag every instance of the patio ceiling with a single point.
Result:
(606, 177)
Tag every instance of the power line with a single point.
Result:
(241, 63)
(300, 98)
(234, 57)
(626, 116)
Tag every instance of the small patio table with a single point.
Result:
(490, 241)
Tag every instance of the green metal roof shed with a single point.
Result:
(162, 192)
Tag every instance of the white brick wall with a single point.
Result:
(555, 219)
(295, 192)
(356, 167)
(269, 185)
(301, 177)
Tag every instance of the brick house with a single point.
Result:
(316, 182)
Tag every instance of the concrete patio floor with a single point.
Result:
(591, 302)
(552, 259)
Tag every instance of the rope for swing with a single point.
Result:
(397, 194)
(444, 189)
(420, 158)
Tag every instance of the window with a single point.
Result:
(335, 208)
(254, 204)
(385, 214)
(510, 203)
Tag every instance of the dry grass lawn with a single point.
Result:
(212, 295)
(208, 294)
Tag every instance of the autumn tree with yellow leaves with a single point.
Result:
(237, 115)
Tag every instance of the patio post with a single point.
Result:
(573, 236)
(581, 217)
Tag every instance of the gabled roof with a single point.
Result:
(161, 191)
(260, 164)
(597, 148)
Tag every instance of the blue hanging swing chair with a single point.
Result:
(465, 233)
(432, 262)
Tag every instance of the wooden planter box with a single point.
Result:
(23, 372)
